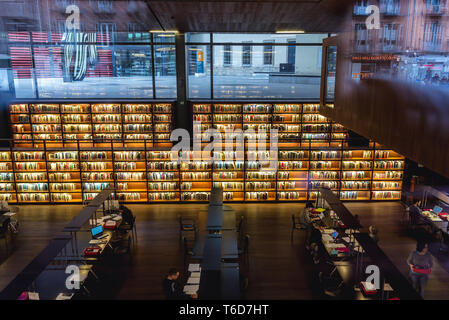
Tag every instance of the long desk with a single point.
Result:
(218, 279)
(217, 219)
(25, 278)
(52, 281)
(402, 287)
(337, 206)
(229, 247)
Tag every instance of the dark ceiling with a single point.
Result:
(250, 15)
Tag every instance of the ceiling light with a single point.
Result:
(162, 31)
(290, 31)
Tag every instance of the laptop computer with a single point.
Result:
(437, 209)
(97, 232)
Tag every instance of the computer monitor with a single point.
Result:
(437, 209)
(97, 231)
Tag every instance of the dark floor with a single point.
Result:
(277, 268)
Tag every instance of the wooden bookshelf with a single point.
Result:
(79, 160)
(63, 124)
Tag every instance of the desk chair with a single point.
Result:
(130, 227)
(187, 225)
(4, 230)
(239, 227)
(244, 248)
(296, 226)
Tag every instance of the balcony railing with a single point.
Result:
(103, 6)
(432, 46)
(360, 11)
(390, 11)
(437, 10)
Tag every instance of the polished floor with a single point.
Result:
(277, 269)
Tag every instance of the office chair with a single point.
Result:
(187, 251)
(4, 230)
(296, 226)
(239, 227)
(244, 249)
(130, 227)
(186, 225)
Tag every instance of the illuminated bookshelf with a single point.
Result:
(163, 177)
(201, 113)
(64, 175)
(76, 123)
(7, 181)
(30, 168)
(196, 176)
(97, 171)
(388, 173)
(292, 176)
(137, 123)
(140, 166)
(130, 175)
(287, 119)
(60, 124)
(229, 174)
(162, 123)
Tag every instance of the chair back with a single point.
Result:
(186, 249)
(4, 226)
(246, 243)
(239, 228)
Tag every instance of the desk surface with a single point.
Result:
(34, 268)
(52, 281)
(230, 282)
(229, 246)
(214, 218)
(211, 259)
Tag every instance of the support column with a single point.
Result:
(183, 113)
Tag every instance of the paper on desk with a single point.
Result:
(327, 238)
(347, 239)
(92, 222)
(194, 267)
(191, 288)
(193, 280)
(195, 274)
(64, 296)
(335, 245)
(33, 295)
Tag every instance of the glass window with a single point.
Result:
(165, 71)
(198, 71)
(280, 80)
(197, 37)
(227, 55)
(260, 38)
(116, 72)
(246, 55)
(267, 54)
(22, 70)
(164, 37)
(331, 69)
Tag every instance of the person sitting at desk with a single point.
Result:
(373, 233)
(315, 243)
(306, 220)
(173, 289)
(417, 219)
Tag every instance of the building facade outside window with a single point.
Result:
(246, 55)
